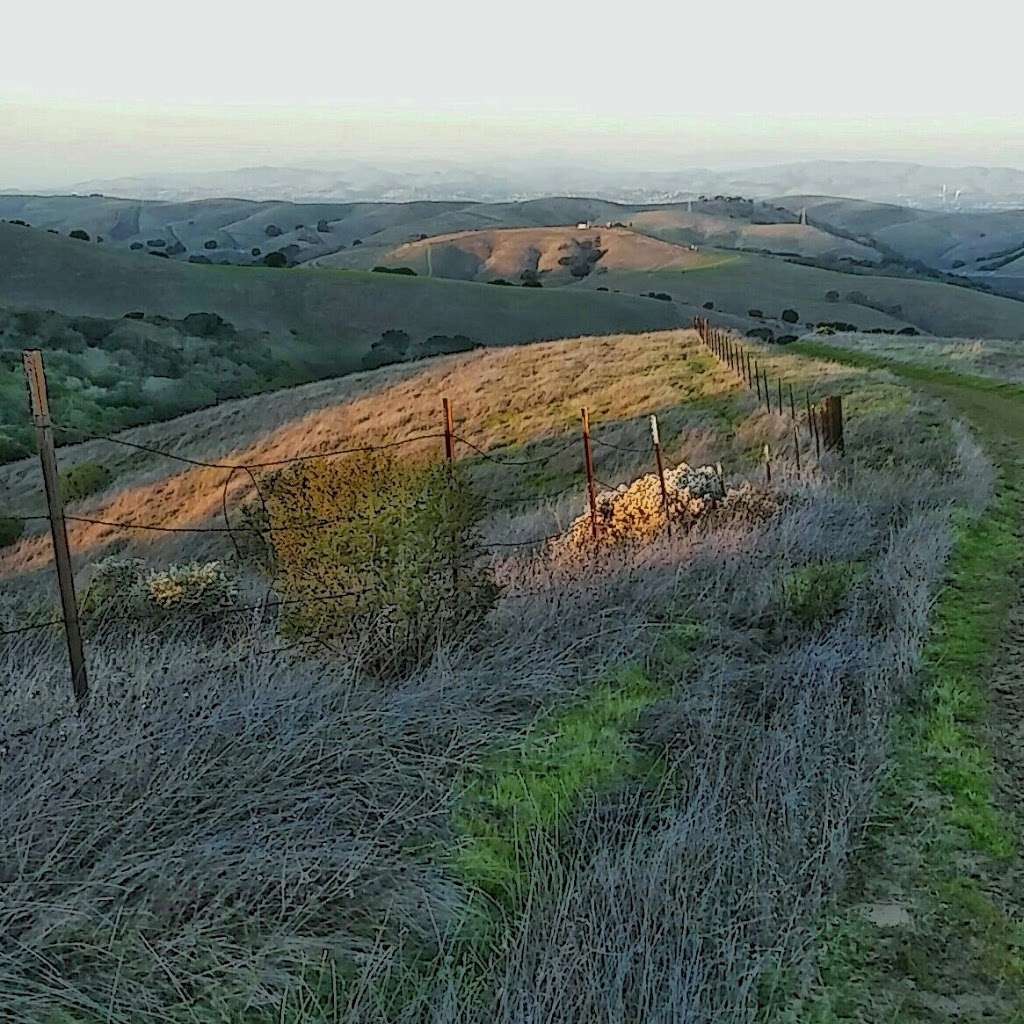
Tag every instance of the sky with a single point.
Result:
(112, 88)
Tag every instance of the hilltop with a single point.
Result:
(550, 255)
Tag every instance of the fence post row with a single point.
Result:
(39, 403)
(588, 459)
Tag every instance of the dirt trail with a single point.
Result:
(945, 851)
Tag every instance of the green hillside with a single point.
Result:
(769, 284)
(339, 313)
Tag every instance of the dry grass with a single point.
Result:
(621, 379)
(997, 360)
(232, 836)
(506, 253)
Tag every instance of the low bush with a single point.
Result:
(402, 271)
(755, 314)
(791, 316)
(275, 259)
(83, 480)
(709, 305)
(272, 231)
(11, 530)
(817, 593)
(196, 594)
(396, 570)
(82, 236)
(210, 243)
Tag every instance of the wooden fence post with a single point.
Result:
(589, 461)
(767, 464)
(449, 453)
(796, 448)
(656, 440)
(792, 404)
(779, 409)
(757, 380)
(40, 405)
(767, 392)
(834, 415)
(817, 432)
(449, 431)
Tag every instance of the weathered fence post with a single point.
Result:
(817, 432)
(40, 406)
(779, 409)
(834, 424)
(767, 392)
(767, 464)
(796, 448)
(656, 441)
(449, 453)
(449, 431)
(792, 404)
(757, 380)
(589, 461)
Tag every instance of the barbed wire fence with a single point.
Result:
(820, 422)
(75, 625)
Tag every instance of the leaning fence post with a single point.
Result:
(449, 431)
(767, 392)
(589, 461)
(40, 406)
(656, 441)
(757, 381)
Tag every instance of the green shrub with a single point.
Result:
(82, 236)
(85, 479)
(816, 593)
(791, 316)
(10, 530)
(194, 594)
(368, 545)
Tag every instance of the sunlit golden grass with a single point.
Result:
(501, 397)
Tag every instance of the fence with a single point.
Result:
(823, 420)
(722, 345)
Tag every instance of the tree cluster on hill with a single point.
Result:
(106, 374)
(396, 346)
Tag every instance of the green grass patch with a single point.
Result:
(816, 593)
(941, 847)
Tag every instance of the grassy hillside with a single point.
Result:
(662, 754)
(676, 224)
(989, 358)
(771, 285)
(335, 315)
(551, 255)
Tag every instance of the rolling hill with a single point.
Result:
(334, 315)
(557, 255)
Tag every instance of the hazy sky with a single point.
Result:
(114, 88)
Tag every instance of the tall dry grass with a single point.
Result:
(237, 833)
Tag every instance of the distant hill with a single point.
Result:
(331, 318)
(552, 255)
(901, 182)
